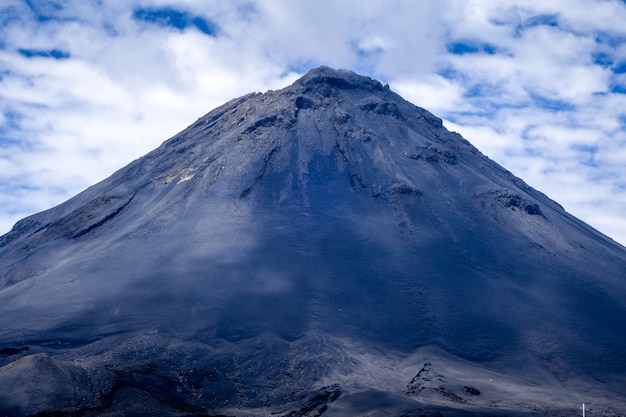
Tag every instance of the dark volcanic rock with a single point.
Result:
(307, 251)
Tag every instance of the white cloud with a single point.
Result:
(532, 85)
(435, 93)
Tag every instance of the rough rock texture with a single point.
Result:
(326, 249)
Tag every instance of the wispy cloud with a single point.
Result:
(85, 87)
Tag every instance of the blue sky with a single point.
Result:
(86, 86)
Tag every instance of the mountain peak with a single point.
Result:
(339, 78)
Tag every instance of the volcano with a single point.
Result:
(325, 249)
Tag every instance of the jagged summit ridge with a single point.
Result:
(302, 238)
(323, 79)
(337, 95)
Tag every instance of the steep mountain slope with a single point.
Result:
(328, 248)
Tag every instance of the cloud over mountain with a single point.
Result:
(87, 87)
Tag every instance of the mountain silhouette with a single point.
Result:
(325, 249)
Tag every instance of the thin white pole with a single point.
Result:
(583, 409)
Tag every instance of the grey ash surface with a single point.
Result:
(326, 249)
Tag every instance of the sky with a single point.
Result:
(87, 86)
